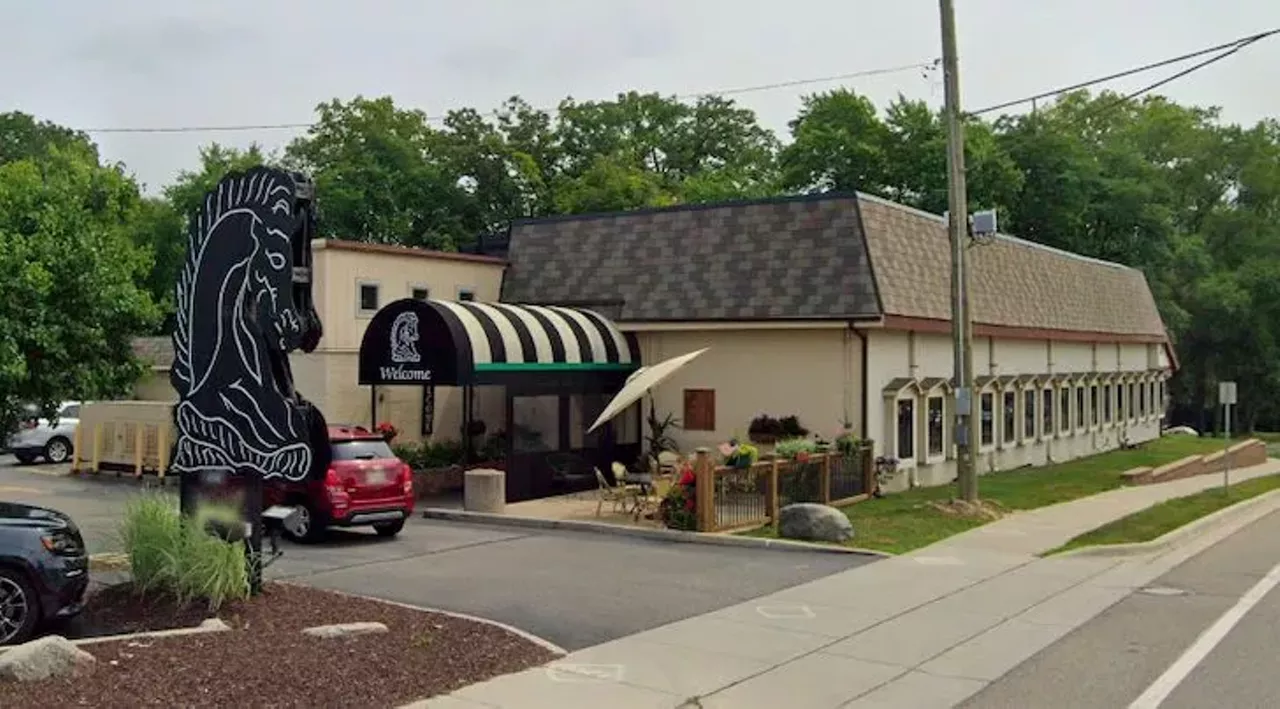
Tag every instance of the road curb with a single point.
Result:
(663, 535)
(1244, 512)
(535, 639)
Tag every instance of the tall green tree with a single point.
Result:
(70, 299)
(382, 175)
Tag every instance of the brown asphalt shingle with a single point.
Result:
(1014, 283)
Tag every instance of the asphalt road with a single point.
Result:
(575, 589)
(1113, 660)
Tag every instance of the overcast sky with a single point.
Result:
(145, 63)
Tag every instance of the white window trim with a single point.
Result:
(925, 455)
(1048, 432)
(1023, 438)
(1080, 400)
(457, 292)
(418, 286)
(995, 419)
(360, 284)
(1001, 442)
(1093, 403)
(906, 395)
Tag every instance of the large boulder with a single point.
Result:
(813, 522)
(42, 658)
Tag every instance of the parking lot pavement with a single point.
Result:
(575, 589)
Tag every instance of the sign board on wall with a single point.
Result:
(428, 409)
(1227, 393)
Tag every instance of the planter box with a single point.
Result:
(430, 482)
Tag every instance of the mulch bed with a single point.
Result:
(265, 661)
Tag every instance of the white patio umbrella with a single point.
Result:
(639, 384)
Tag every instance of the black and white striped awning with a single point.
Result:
(454, 342)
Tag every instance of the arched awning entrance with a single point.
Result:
(539, 347)
(557, 367)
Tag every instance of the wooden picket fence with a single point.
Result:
(730, 498)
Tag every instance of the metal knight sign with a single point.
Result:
(243, 302)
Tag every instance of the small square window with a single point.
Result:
(466, 294)
(699, 410)
(419, 293)
(368, 297)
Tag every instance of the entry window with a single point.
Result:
(1133, 410)
(936, 423)
(1064, 396)
(1080, 410)
(1119, 402)
(1047, 406)
(1029, 413)
(906, 429)
(368, 298)
(1106, 403)
(988, 430)
(1160, 398)
(1093, 405)
(420, 293)
(1010, 417)
(699, 410)
(1142, 399)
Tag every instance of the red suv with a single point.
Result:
(366, 485)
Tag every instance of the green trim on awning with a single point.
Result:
(556, 367)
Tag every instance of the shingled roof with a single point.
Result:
(794, 258)
(1014, 283)
(816, 257)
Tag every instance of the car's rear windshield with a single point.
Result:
(361, 449)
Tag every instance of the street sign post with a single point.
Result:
(1227, 399)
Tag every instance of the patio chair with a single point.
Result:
(569, 470)
(619, 494)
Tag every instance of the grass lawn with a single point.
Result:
(904, 521)
(1160, 519)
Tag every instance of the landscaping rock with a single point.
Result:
(1180, 431)
(344, 630)
(813, 522)
(42, 658)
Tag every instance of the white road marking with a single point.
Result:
(1209, 639)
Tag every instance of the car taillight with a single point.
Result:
(331, 479)
(406, 478)
(339, 498)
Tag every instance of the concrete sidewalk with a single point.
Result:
(926, 629)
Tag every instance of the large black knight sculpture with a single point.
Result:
(243, 303)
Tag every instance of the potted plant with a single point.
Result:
(678, 509)
(738, 454)
(388, 430)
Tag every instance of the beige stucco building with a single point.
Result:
(831, 308)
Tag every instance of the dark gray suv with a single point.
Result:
(44, 569)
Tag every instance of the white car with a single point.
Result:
(39, 438)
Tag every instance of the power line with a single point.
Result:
(925, 66)
(1232, 47)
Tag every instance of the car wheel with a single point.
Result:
(19, 611)
(57, 450)
(306, 527)
(388, 529)
(25, 458)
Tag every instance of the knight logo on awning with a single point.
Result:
(404, 350)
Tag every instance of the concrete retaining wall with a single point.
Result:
(1240, 455)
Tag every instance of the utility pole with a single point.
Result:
(958, 228)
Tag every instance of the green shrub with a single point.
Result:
(179, 558)
(791, 447)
